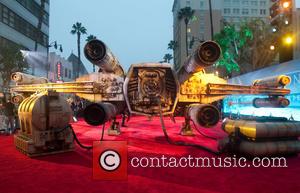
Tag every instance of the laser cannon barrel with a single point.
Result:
(21, 78)
(204, 115)
(98, 113)
(99, 54)
(272, 102)
(275, 81)
(205, 55)
(17, 99)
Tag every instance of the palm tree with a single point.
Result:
(78, 29)
(90, 37)
(172, 45)
(186, 14)
(168, 58)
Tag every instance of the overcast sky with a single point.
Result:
(135, 30)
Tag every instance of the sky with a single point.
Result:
(135, 30)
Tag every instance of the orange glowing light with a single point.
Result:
(286, 4)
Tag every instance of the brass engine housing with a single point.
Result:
(44, 119)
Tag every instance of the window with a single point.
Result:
(262, 3)
(236, 20)
(226, 11)
(254, 11)
(236, 11)
(236, 2)
(16, 22)
(226, 19)
(11, 22)
(245, 11)
(0, 12)
(70, 74)
(5, 15)
(254, 3)
(201, 4)
(66, 72)
(245, 2)
(188, 3)
(35, 9)
(227, 1)
(263, 12)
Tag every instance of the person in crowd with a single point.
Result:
(74, 109)
(2, 117)
(9, 111)
(79, 107)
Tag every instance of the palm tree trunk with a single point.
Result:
(186, 40)
(78, 49)
(174, 56)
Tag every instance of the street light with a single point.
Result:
(286, 22)
(211, 20)
(288, 40)
(55, 45)
(272, 47)
(286, 4)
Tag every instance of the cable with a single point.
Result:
(102, 135)
(79, 143)
(181, 143)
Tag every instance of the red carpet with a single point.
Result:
(72, 172)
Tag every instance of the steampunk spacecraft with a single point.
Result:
(151, 89)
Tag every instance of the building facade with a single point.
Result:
(60, 69)
(21, 23)
(74, 60)
(199, 29)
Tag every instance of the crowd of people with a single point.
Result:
(77, 105)
(8, 117)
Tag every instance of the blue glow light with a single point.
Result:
(242, 104)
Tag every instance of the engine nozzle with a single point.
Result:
(98, 113)
(205, 55)
(95, 51)
(204, 115)
(208, 53)
(99, 54)
(17, 99)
